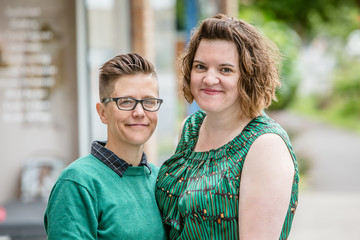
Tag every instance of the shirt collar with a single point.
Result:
(117, 164)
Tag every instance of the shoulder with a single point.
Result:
(81, 164)
(196, 117)
(270, 144)
(191, 124)
(269, 141)
(266, 124)
(270, 155)
(82, 169)
(86, 175)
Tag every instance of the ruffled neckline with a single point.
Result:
(218, 152)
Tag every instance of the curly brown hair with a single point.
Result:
(258, 61)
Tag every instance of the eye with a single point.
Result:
(126, 102)
(150, 102)
(226, 70)
(199, 66)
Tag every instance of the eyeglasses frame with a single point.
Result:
(106, 100)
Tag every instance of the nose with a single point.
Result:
(138, 111)
(211, 77)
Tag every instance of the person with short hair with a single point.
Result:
(109, 194)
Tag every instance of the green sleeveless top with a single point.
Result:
(197, 192)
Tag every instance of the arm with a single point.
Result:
(265, 188)
(71, 213)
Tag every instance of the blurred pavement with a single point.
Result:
(327, 216)
(329, 200)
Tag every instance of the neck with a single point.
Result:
(131, 154)
(224, 122)
(219, 129)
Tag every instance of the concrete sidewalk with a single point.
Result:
(332, 153)
(327, 216)
(329, 201)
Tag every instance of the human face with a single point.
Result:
(135, 127)
(214, 76)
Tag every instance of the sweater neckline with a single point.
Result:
(136, 171)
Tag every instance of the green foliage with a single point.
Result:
(341, 20)
(332, 19)
(346, 88)
(341, 107)
(337, 113)
(305, 16)
(347, 76)
(180, 15)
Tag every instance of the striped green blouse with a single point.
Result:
(197, 192)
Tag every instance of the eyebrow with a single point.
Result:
(221, 65)
(226, 65)
(198, 61)
(147, 96)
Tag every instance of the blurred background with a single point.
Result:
(50, 53)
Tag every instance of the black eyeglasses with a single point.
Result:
(128, 103)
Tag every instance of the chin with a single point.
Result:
(209, 107)
(139, 140)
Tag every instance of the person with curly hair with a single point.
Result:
(234, 173)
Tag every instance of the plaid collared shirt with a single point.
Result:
(117, 164)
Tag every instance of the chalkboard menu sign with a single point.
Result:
(38, 85)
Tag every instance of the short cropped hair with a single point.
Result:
(119, 66)
(258, 61)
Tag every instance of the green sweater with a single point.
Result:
(90, 201)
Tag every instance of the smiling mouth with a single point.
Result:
(137, 125)
(211, 91)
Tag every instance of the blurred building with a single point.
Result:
(50, 54)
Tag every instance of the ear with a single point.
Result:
(100, 108)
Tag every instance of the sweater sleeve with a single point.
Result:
(71, 212)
